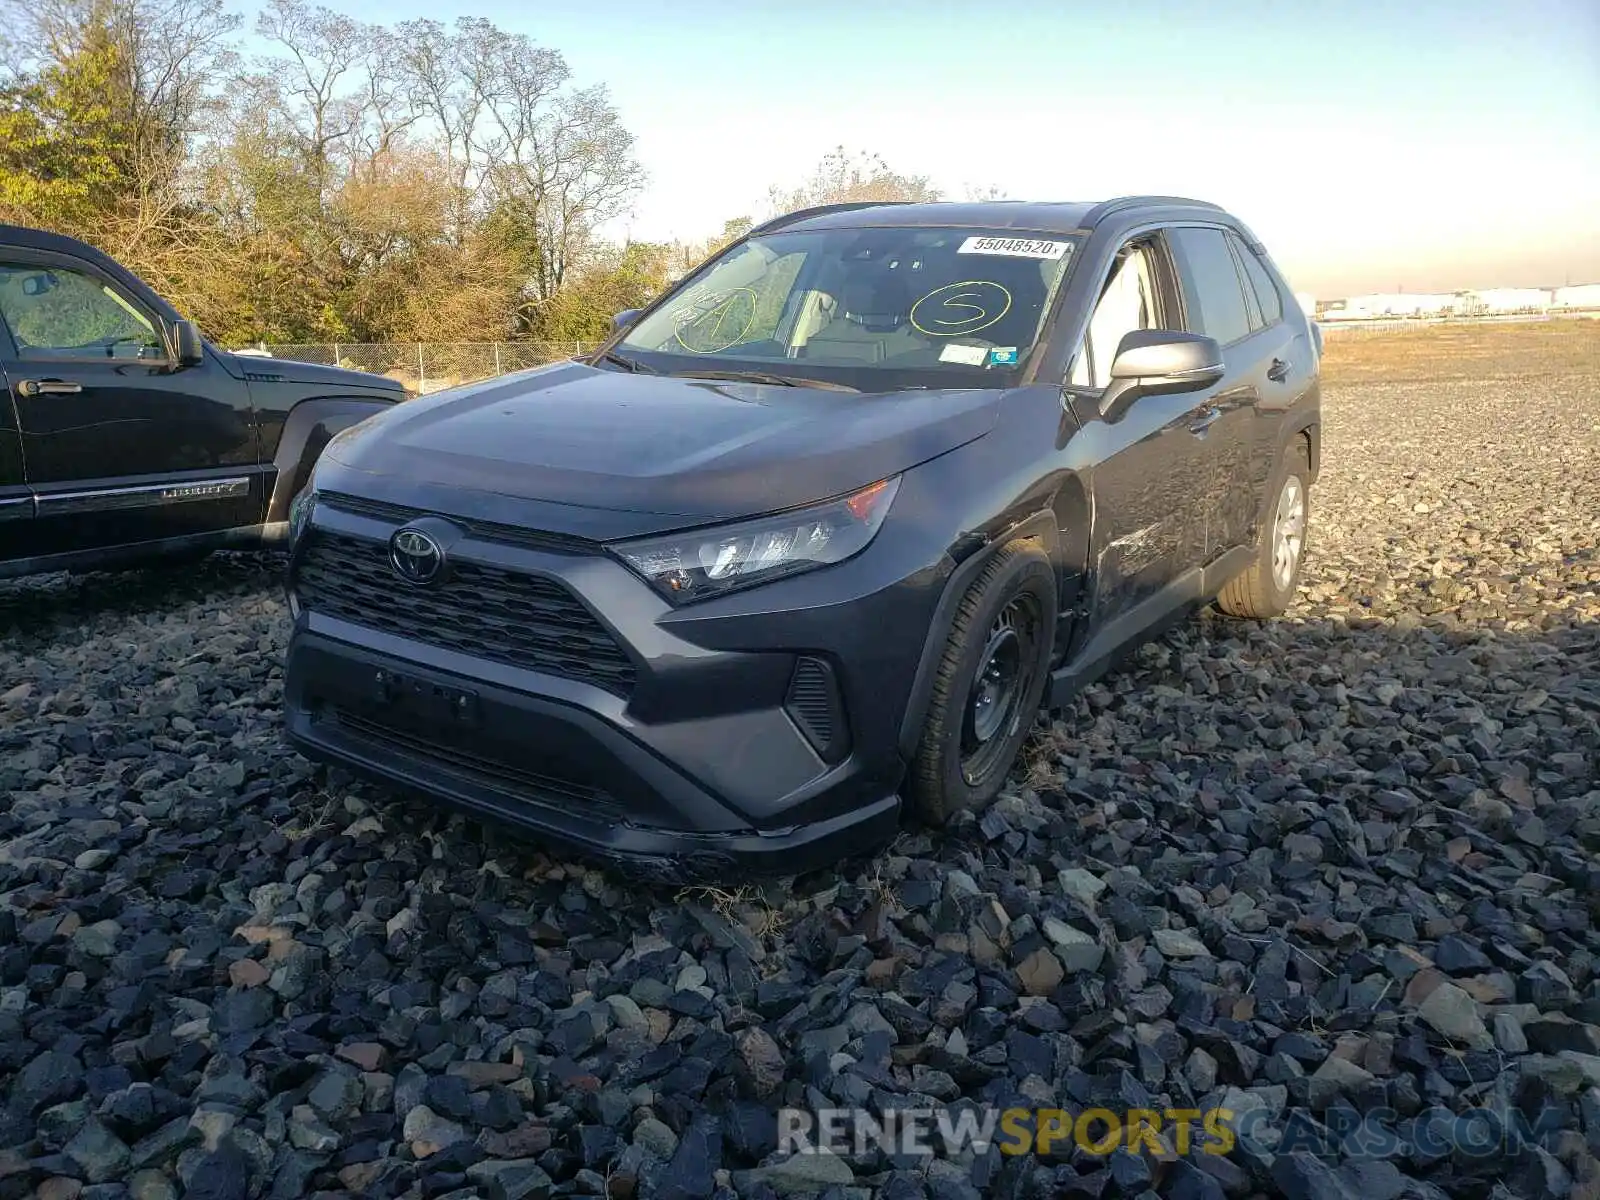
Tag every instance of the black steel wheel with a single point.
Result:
(1000, 687)
(988, 686)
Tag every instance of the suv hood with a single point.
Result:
(692, 449)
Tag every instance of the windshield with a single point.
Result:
(877, 308)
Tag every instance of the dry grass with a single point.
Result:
(1463, 350)
(739, 906)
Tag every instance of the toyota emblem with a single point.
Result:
(415, 556)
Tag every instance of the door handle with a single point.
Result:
(1279, 370)
(48, 387)
(1203, 422)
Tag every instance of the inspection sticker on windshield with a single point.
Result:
(1014, 247)
(1003, 356)
(972, 356)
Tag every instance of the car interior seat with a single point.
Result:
(869, 314)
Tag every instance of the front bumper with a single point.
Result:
(699, 764)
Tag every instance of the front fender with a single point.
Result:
(1041, 525)
(309, 427)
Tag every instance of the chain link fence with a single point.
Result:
(425, 367)
(430, 366)
(1368, 325)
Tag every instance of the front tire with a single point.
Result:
(1266, 588)
(988, 685)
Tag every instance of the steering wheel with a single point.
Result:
(110, 342)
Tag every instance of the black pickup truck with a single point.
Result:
(125, 436)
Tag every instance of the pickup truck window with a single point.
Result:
(56, 312)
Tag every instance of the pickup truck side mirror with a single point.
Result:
(1153, 362)
(188, 347)
(625, 318)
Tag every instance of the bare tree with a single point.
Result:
(451, 78)
(352, 181)
(390, 106)
(172, 59)
(321, 49)
(546, 164)
(570, 169)
(842, 177)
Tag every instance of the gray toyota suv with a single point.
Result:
(811, 540)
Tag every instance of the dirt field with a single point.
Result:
(1567, 346)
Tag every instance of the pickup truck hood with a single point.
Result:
(287, 370)
(692, 450)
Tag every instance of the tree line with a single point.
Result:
(343, 181)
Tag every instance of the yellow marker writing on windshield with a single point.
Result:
(960, 308)
(717, 326)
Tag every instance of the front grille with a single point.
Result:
(525, 784)
(521, 620)
(489, 531)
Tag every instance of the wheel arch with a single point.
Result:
(1304, 434)
(309, 427)
(1041, 524)
(1073, 507)
(1309, 433)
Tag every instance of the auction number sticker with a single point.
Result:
(1013, 247)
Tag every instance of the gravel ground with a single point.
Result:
(1341, 864)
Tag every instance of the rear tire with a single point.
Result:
(1267, 587)
(988, 685)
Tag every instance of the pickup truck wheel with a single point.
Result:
(1267, 587)
(988, 685)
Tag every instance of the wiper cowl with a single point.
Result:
(627, 364)
(767, 377)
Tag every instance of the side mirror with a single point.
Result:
(38, 285)
(1153, 362)
(625, 318)
(187, 344)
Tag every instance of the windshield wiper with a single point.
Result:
(768, 377)
(628, 364)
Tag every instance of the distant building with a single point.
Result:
(1393, 304)
(1578, 295)
(1508, 300)
(1482, 302)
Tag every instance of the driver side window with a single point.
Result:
(56, 312)
(1127, 303)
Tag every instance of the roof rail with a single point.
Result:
(817, 210)
(1104, 209)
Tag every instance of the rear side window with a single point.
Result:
(1211, 285)
(1268, 299)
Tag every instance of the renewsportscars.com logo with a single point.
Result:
(1043, 1131)
(1376, 1134)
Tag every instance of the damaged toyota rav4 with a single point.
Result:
(809, 542)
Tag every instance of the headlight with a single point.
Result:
(708, 562)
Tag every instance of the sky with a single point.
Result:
(1372, 145)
